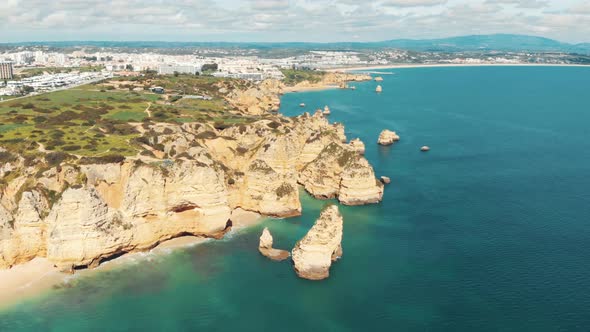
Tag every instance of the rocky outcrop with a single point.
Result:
(388, 137)
(266, 249)
(259, 99)
(358, 145)
(340, 172)
(330, 80)
(78, 214)
(314, 253)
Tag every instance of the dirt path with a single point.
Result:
(147, 110)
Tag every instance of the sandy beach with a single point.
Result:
(39, 275)
(400, 66)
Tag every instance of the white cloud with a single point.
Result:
(288, 20)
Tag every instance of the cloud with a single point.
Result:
(413, 3)
(522, 3)
(287, 20)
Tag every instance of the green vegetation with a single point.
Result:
(284, 190)
(102, 119)
(294, 76)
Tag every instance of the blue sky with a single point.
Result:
(288, 20)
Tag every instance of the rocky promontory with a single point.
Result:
(79, 211)
(314, 253)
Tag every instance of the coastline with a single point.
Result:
(401, 66)
(292, 89)
(38, 276)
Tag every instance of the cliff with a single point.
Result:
(77, 211)
(314, 253)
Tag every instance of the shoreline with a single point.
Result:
(38, 276)
(441, 65)
(292, 89)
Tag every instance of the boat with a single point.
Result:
(379, 88)
(327, 110)
(302, 105)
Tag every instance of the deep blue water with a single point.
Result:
(489, 231)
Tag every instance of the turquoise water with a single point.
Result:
(489, 231)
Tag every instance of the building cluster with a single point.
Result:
(6, 71)
(49, 82)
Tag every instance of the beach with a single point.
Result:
(39, 275)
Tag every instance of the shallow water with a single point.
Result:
(486, 232)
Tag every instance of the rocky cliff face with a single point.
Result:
(258, 99)
(78, 215)
(314, 253)
(340, 172)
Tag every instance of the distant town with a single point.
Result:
(38, 69)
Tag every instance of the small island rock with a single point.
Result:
(266, 249)
(388, 137)
(314, 253)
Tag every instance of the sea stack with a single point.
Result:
(327, 110)
(379, 89)
(314, 253)
(388, 137)
(358, 146)
(266, 249)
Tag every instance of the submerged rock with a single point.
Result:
(314, 253)
(388, 137)
(266, 249)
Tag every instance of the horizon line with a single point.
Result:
(288, 42)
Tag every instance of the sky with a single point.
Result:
(288, 20)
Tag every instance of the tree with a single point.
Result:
(210, 67)
(129, 67)
(176, 74)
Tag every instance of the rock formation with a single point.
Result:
(358, 146)
(313, 254)
(388, 137)
(79, 213)
(340, 172)
(266, 249)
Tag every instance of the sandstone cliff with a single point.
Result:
(314, 253)
(79, 213)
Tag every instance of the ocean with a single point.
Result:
(489, 231)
